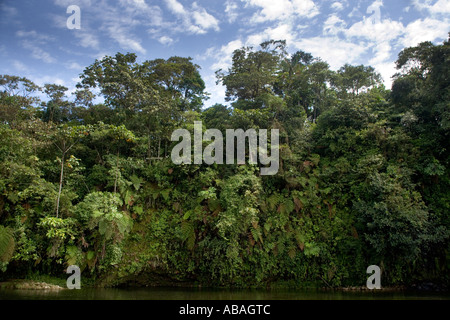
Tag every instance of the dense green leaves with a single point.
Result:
(253, 72)
(363, 175)
(6, 244)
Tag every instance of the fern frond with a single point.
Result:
(7, 244)
(188, 234)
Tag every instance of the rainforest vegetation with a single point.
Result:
(363, 177)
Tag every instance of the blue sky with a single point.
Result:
(36, 43)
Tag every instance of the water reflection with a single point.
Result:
(212, 294)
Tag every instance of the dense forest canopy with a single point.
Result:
(363, 177)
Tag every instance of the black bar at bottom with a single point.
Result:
(212, 309)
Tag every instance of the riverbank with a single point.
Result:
(22, 284)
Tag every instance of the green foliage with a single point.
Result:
(353, 79)
(396, 222)
(99, 210)
(252, 73)
(7, 245)
(57, 228)
(26, 245)
(17, 102)
(363, 173)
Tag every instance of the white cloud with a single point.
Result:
(439, 7)
(305, 8)
(8, 11)
(118, 20)
(382, 31)
(355, 13)
(378, 35)
(75, 66)
(80, 3)
(123, 38)
(282, 31)
(375, 9)
(428, 29)
(33, 41)
(333, 50)
(87, 39)
(176, 7)
(382, 53)
(231, 9)
(271, 10)
(223, 56)
(19, 66)
(38, 53)
(140, 10)
(256, 39)
(359, 37)
(76, 79)
(195, 20)
(338, 6)
(203, 18)
(139, 4)
(282, 9)
(35, 36)
(386, 70)
(217, 91)
(165, 40)
(41, 81)
(120, 27)
(333, 25)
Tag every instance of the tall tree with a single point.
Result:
(319, 75)
(253, 73)
(352, 79)
(180, 78)
(17, 100)
(121, 82)
(304, 82)
(64, 139)
(420, 96)
(58, 109)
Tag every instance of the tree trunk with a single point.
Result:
(60, 185)
(117, 173)
(159, 148)
(149, 154)
(165, 150)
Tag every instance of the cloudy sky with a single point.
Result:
(35, 41)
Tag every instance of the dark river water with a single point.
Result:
(213, 294)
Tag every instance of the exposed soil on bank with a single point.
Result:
(29, 285)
